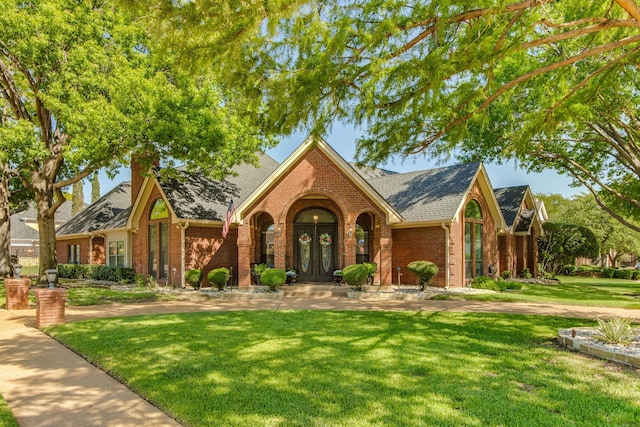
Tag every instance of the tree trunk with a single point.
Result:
(5, 229)
(47, 233)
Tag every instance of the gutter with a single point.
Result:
(447, 244)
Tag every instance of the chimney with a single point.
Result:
(140, 165)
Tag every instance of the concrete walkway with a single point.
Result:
(45, 384)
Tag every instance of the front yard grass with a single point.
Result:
(6, 416)
(342, 368)
(571, 290)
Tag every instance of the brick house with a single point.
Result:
(314, 213)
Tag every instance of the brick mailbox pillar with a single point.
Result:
(17, 293)
(50, 303)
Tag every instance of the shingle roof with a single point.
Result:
(109, 212)
(371, 173)
(429, 195)
(510, 200)
(194, 196)
(21, 231)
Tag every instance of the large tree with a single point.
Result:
(551, 83)
(614, 239)
(81, 89)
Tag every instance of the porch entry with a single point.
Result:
(315, 243)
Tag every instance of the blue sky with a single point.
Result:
(342, 139)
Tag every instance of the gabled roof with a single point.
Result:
(191, 196)
(434, 195)
(310, 143)
(110, 212)
(512, 202)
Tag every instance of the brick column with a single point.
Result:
(385, 266)
(17, 293)
(244, 256)
(50, 305)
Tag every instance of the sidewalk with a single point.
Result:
(45, 384)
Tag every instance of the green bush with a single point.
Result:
(608, 272)
(218, 277)
(514, 286)
(526, 273)
(425, 270)
(484, 282)
(194, 277)
(355, 275)
(569, 270)
(96, 272)
(623, 273)
(506, 274)
(273, 277)
(258, 269)
(588, 269)
(635, 275)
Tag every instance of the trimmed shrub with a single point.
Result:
(623, 273)
(514, 286)
(194, 277)
(273, 277)
(425, 270)
(608, 272)
(588, 268)
(526, 273)
(355, 275)
(506, 274)
(218, 277)
(96, 272)
(372, 266)
(484, 282)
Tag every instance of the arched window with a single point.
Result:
(472, 240)
(362, 243)
(159, 210)
(267, 244)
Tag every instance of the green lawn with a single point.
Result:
(6, 417)
(320, 368)
(571, 290)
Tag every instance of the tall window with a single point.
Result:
(473, 240)
(116, 253)
(267, 244)
(362, 243)
(74, 254)
(159, 240)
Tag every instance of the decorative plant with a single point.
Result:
(616, 330)
(260, 268)
(273, 277)
(506, 274)
(304, 239)
(425, 270)
(337, 273)
(194, 277)
(325, 239)
(355, 275)
(218, 277)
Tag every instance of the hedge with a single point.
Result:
(96, 272)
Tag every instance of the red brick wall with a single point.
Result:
(314, 181)
(62, 249)
(419, 244)
(206, 249)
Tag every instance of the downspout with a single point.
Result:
(183, 239)
(446, 255)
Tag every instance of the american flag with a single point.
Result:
(227, 220)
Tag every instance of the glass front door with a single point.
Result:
(315, 246)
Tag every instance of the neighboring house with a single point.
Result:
(25, 241)
(314, 213)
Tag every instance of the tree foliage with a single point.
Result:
(563, 243)
(613, 238)
(551, 83)
(82, 88)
